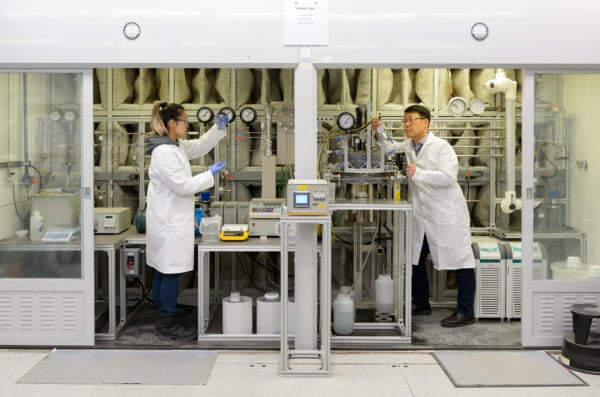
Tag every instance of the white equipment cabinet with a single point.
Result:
(514, 275)
(490, 273)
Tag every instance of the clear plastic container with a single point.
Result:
(384, 294)
(594, 271)
(210, 227)
(343, 315)
(561, 271)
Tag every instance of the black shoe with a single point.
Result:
(185, 311)
(457, 320)
(181, 311)
(170, 327)
(420, 311)
(175, 332)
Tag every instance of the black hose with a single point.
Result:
(16, 207)
(38, 172)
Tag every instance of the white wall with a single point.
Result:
(241, 32)
(582, 102)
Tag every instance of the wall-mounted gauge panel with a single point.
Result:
(457, 106)
(346, 121)
(55, 115)
(477, 106)
(229, 112)
(248, 115)
(70, 115)
(205, 115)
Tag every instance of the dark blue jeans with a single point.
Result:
(165, 289)
(465, 278)
(420, 282)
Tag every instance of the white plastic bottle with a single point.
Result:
(350, 292)
(384, 294)
(36, 226)
(343, 315)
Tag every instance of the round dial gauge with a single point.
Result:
(479, 31)
(70, 115)
(477, 106)
(345, 121)
(205, 115)
(55, 115)
(248, 115)
(132, 30)
(229, 112)
(457, 106)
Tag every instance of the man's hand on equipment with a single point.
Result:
(410, 170)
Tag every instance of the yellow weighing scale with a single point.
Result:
(234, 232)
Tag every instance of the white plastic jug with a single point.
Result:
(346, 289)
(343, 315)
(210, 228)
(384, 294)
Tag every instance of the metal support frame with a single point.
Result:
(322, 353)
(204, 249)
(401, 273)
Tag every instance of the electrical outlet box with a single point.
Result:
(131, 262)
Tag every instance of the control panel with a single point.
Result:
(112, 220)
(130, 262)
(263, 216)
(266, 208)
(307, 197)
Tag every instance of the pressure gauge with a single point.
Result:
(479, 31)
(205, 115)
(477, 106)
(70, 115)
(132, 30)
(346, 121)
(457, 106)
(229, 112)
(248, 115)
(55, 115)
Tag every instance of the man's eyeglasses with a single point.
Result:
(412, 120)
(183, 121)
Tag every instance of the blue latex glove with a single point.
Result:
(218, 167)
(222, 121)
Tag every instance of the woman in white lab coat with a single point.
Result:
(170, 207)
(440, 214)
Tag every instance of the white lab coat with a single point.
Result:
(439, 207)
(170, 210)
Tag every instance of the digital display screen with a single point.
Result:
(301, 200)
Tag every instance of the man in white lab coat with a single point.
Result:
(440, 213)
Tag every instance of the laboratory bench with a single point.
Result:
(205, 310)
(112, 245)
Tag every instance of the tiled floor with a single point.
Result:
(249, 374)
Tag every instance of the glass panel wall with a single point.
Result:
(566, 177)
(40, 185)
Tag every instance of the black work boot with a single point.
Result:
(169, 328)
